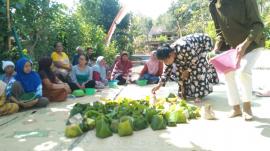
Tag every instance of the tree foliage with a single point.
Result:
(41, 23)
(186, 17)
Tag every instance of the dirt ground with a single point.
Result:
(43, 129)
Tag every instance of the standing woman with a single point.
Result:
(238, 23)
(53, 88)
(81, 75)
(152, 69)
(26, 81)
(196, 77)
(122, 69)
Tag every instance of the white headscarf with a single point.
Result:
(2, 87)
(6, 64)
(100, 69)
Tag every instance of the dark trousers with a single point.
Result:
(89, 84)
(121, 80)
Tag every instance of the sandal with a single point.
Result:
(262, 93)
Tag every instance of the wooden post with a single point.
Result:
(9, 25)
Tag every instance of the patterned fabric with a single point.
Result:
(6, 78)
(123, 68)
(191, 52)
(38, 91)
(9, 87)
(5, 107)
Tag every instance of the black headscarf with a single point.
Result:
(45, 69)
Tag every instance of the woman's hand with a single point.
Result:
(29, 104)
(67, 88)
(80, 86)
(156, 88)
(241, 49)
(211, 54)
(185, 75)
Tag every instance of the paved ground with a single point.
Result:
(43, 129)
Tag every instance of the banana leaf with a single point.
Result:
(183, 103)
(114, 125)
(103, 127)
(150, 112)
(139, 122)
(171, 119)
(193, 111)
(125, 127)
(98, 106)
(73, 130)
(92, 114)
(87, 124)
(110, 106)
(158, 122)
(78, 108)
(181, 117)
(172, 95)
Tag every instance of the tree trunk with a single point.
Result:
(31, 49)
(8, 25)
(179, 29)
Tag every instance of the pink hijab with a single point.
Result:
(153, 64)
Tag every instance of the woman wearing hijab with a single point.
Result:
(122, 69)
(53, 88)
(6, 107)
(26, 81)
(152, 69)
(100, 71)
(196, 77)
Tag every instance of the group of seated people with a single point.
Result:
(57, 78)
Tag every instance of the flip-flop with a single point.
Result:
(263, 94)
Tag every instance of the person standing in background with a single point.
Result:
(91, 56)
(75, 59)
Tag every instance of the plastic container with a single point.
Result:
(141, 82)
(78, 93)
(90, 91)
(225, 62)
(27, 97)
(113, 83)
